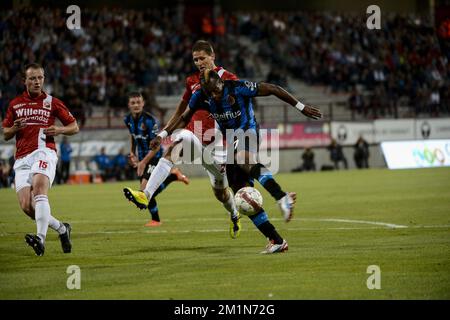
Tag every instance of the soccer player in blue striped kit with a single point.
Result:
(143, 128)
(230, 104)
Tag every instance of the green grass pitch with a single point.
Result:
(344, 222)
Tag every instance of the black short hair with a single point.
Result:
(203, 45)
(32, 65)
(207, 77)
(135, 94)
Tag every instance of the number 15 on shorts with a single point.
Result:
(43, 165)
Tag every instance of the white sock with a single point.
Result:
(159, 174)
(214, 169)
(56, 225)
(42, 215)
(230, 205)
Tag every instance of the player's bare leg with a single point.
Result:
(180, 176)
(26, 201)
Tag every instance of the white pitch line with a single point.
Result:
(4, 234)
(385, 224)
(377, 223)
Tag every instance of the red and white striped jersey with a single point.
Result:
(40, 113)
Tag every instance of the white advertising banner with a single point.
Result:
(394, 130)
(6, 151)
(416, 154)
(433, 128)
(92, 148)
(347, 133)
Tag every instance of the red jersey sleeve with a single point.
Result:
(8, 122)
(62, 112)
(229, 76)
(187, 91)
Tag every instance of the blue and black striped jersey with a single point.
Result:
(143, 130)
(235, 110)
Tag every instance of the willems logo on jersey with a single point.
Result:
(28, 112)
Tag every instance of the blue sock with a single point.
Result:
(265, 178)
(259, 218)
(153, 208)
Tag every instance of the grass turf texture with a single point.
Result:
(191, 256)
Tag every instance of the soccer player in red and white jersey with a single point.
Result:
(203, 56)
(30, 118)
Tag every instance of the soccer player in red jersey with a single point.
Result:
(30, 118)
(203, 56)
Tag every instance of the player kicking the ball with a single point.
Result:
(31, 119)
(230, 104)
(194, 135)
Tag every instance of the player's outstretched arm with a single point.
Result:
(9, 133)
(267, 89)
(68, 130)
(177, 114)
(132, 159)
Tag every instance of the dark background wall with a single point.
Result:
(403, 6)
(331, 5)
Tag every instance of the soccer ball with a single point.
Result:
(248, 201)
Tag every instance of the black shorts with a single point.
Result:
(238, 178)
(249, 142)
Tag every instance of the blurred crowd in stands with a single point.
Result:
(113, 168)
(116, 51)
(119, 50)
(402, 60)
(6, 172)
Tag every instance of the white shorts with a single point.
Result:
(41, 161)
(212, 157)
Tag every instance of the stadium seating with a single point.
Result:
(158, 56)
